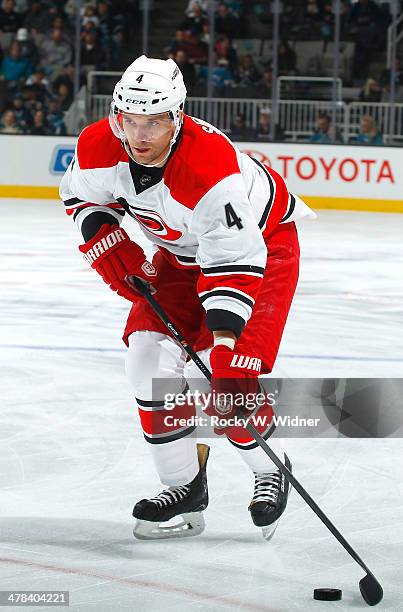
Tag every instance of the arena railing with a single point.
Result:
(297, 118)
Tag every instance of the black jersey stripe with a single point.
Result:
(217, 319)
(101, 211)
(185, 259)
(290, 210)
(245, 269)
(73, 201)
(150, 404)
(227, 293)
(164, 439)
(269, 204)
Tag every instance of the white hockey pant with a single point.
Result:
(156, 366)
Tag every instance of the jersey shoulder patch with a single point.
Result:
(98, 147)
(203, 158)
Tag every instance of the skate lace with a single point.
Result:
(170, 496)
(267, 487)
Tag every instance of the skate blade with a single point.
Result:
(268, 532)
(192, 524)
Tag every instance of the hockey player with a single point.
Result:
(225, 271)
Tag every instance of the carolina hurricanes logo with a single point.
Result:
(155, 224)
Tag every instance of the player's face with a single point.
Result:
(149, 136)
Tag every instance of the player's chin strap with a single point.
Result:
(370, 588)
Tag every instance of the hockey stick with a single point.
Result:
(370, 588)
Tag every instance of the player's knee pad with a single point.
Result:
(154, 365)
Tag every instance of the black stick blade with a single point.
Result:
(371, 590)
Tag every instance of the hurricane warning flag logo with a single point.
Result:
(154, 223)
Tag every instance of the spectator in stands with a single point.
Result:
(327, 22)
(28, 47)
(195, 49)
(65, 96)
(55, 118)
(264, 87)
(247, 75)
(194, 24)
(226, 22)
(225, 50)
(22, 114)
(240, 131)
(14, 67)
(287, 59)
(30, 103)
(385, 76)
(117, 47)
(90, 16)
(55, 52)
(105, 24)
(177, 43)
(205, 35)
(263, 131)
(345, 17)
(368, 26)
(60, 24)
(92, 53)
(10, 20)
(187, 69)
(21, 6)
(88, 27)
(312, 11)
(221, 76)
(39, 127)
(38, 18)
(398, 94)
(65, 77)
(371, 92)
(324, 133)
(8, 124)
(39, 84)
(369, 133)
(235, 6)
(202, 3)
(364, 13)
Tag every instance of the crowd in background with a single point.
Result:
(37, 57)
(364, 22)
(246, 75)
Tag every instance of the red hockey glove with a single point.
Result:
(234, 375)
(114, 256)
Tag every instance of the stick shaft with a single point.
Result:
(143, 288)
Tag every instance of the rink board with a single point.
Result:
(325, 176)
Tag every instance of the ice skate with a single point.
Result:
(184, 502)
(269, 499)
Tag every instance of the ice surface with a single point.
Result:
(73, 460)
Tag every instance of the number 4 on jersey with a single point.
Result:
(231, 217)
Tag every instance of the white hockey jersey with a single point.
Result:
(211, 207)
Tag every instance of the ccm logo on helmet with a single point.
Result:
(243, 361)
(134, 101)
(103, 245)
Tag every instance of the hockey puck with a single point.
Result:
(327, 594)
